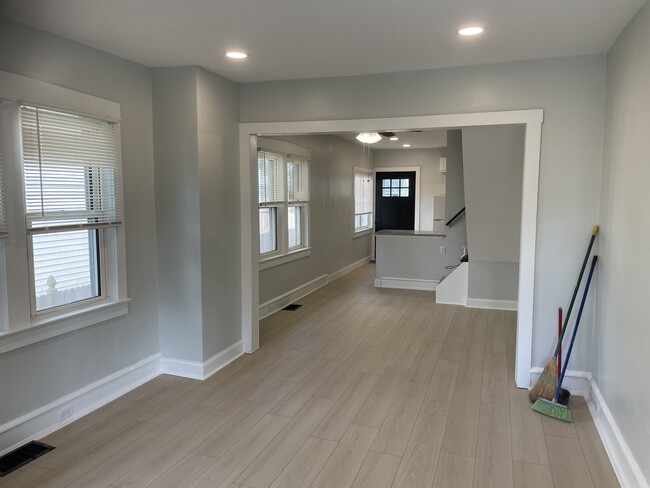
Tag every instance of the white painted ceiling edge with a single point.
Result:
(294, 39)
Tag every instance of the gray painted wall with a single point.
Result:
(178, 212)
(622, 336)
(493, 172)
(432, 181)
(331, 215)
(455, 197)
(36, 375)
(197, 204)
(570, 90)
(218, 132)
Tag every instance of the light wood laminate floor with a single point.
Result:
(361, 387)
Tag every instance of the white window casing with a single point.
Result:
(64, 208)
(364, 197)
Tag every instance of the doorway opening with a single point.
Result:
(530, 119)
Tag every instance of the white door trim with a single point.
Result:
(531, 119)
(417, 188)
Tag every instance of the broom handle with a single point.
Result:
(575, 330)
(575, 292)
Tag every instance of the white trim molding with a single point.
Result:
(491, 304)
(45, 420)
(406, 284)
(198, 370)
(278, 303)
(532, 121)
(348, 269)
(625, 466)
(577, 382)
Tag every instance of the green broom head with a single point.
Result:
(553, 410)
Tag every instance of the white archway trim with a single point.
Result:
(531, 119)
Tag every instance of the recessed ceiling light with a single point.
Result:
(394, 138)
(474, 30)
(406, 145)
(368, 137)
(237, 54)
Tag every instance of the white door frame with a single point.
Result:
(393, 169)
(531, 119)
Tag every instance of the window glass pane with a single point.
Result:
(395, 183)
(385, 192)
(404, 192)
(268, 241)
(295, 227)
(394, 192)
(66, 267)
(385, 184)
(404, 183)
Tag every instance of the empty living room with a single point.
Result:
(333, 244)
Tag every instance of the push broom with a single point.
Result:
(545, 386)
(553, 408)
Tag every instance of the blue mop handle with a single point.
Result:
(575, 331)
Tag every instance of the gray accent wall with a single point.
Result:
(493, 159)
(331, 215)
(197, 203)
(622, 335)
(43, 372)
(570, 90)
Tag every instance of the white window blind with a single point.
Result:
(71, 171)
(297, 180)
(270, 167)
(363, 192)
(3, 207)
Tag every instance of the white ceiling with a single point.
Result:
(289, 39)
(418, 140)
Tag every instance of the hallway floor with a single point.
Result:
(361, 387)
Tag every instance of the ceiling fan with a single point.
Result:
(372, 137)
(390, 134)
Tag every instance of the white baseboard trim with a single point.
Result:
(491, 304)
(625, 465)
(45, 420)
(348, 269)
(278, 303)
(406, 284)
(577, 382)
(198, 370)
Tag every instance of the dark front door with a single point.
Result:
(395, 200)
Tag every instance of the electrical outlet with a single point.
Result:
(443, 250)
(66, 412)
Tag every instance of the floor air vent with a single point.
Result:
(22, 456)
(292, 308)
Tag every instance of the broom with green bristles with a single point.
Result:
(547, 382)
(553, 408)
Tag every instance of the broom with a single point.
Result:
(545, 386)
(553, 408)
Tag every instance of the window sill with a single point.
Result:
(285, 258)
(362, 233)
(46, 328)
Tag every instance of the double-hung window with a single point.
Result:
(363, 200)
(71, 176)
(283, 186)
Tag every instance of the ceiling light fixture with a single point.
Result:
(237, 54)
(406, 145)
(394, 138)
(368, 137)
(474, 30)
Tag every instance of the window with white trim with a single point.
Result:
(71, 175)
(363, 199)
(283, 186)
